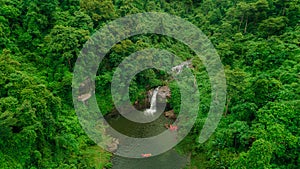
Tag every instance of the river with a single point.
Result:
(168, 160)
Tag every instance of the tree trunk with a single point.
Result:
(245, 29)
(283, 10)
(241, 21)
(69, 62)
(227, 104)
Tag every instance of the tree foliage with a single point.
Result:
(258, 43)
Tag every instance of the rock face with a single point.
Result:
(164, 93)
(178, 69)
(170, 114)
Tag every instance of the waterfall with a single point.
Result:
(152, 109)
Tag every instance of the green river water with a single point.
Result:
(168, 160)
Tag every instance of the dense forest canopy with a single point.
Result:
(259, 45)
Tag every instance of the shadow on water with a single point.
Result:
(139, 130)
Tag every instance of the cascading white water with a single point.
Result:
(152, 109)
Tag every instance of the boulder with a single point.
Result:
(115, 140)
(86, 90)
(170, 114)
(113, 146)
(84, 97)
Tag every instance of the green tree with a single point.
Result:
(273, 25)
(258, 157)
(63, 44)
(99, 10)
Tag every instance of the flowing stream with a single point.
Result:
(152, 109)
